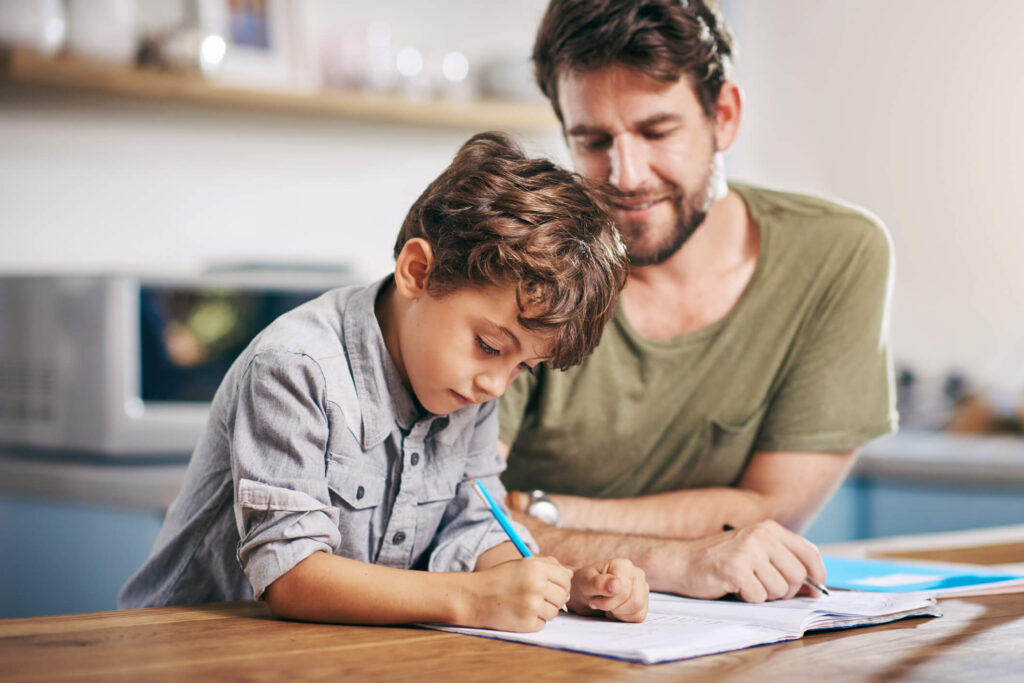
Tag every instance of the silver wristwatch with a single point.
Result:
(543, 508)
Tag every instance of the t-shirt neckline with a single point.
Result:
(700, 335)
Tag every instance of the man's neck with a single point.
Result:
(701, 282)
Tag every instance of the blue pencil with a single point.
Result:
(502, 519)
(505, 523)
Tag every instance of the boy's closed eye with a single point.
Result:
(491, 351)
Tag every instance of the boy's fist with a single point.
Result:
(520, 595)
(616, 588)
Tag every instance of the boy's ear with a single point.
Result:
(412, 268)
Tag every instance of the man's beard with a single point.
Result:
(690, 214)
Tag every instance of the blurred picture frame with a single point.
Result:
(258, 36)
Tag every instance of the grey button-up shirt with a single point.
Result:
(313, 443)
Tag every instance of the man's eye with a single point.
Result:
(595, 144)
(486, 348)
(526, 368)
(656, 134)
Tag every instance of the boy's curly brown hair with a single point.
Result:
(498, 217)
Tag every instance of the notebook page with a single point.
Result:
(789, 618)
(660, 637)
(840, 609)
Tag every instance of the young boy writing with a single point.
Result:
(341, 445)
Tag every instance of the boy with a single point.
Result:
(342, 443)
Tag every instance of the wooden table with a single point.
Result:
(977, 639)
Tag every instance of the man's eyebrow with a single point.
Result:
(653, 120)
(583, 129)
(660, 118)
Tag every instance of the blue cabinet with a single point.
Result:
(59, 557)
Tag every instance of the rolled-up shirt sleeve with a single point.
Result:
(280, 430)
(468, 529)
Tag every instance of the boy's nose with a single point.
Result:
(489, 385)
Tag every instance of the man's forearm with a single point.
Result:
(788, 487)
(687, 514)
(578, 548)
(763, 561)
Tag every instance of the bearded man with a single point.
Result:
(748, 358)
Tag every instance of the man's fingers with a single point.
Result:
(791, 569)
(752, 590)
(809, 557)
(775, 584)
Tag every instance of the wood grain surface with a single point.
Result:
(978, 639)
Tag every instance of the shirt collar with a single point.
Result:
(383, 398)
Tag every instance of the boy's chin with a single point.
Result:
(437, 405)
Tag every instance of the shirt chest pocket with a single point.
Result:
(356, 485)
(436, 495)
(727, 447)
(441, 478)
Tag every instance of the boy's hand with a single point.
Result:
(519, 595)
(616, 588)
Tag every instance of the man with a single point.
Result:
(747, 359)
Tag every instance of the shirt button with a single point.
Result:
(360, 492)
(415, 459)
(398, 538)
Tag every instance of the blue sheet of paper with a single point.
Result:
(889, 576)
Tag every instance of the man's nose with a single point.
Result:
(628, 165)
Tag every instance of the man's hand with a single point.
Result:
(760, 562)
(616, 588)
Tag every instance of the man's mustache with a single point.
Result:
(615, 195)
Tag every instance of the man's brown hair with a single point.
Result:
(665, 39)
(498, 217)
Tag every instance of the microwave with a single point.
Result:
(124, 366)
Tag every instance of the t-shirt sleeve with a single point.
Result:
(838, 393)
(513, 405)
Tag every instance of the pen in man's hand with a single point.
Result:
(807, 581)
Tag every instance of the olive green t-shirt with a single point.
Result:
(800, 363)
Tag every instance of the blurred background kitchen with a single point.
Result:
(175, 172)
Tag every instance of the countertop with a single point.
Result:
(151, 484)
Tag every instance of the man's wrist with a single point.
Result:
(535, 503)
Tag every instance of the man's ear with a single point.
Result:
(412, 268)
(727, 116)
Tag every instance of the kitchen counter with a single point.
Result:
(147, 484)
(136, 483)
(940, 457)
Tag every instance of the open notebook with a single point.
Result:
(680, 628)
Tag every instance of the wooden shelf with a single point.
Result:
(26, 67)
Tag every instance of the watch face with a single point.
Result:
(545, 511)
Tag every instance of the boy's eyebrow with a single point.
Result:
(507, 332)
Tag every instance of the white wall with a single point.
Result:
(91, 183)
(914, 109)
